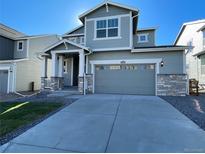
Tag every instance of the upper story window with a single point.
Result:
(142, 38)
(107, 28)
(20, 45)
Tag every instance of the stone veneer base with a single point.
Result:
(171, 84)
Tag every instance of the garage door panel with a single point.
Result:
(3, 81)
(137, 80)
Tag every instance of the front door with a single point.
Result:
(68, 72)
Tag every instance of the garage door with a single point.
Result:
(3, 81)
(125, 79)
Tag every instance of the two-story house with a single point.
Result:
(20, 63)
(109, 54)
(192, 34)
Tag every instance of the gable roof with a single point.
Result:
(9, 32)
(106, 3)
(76, 28)
(63, 41)
(184, 26)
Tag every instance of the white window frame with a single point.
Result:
(106, 28)
(146, 38)
(18, 42)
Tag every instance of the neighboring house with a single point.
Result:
(109, 54)
(192, 34)
(19, 61)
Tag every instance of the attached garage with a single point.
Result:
(3, 81)
(136, 79)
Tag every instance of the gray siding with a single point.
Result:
(151, 39)
(173, 61)
(122, 42)
(20, 54)
(78, 31)
(101, 12)
(6, 48)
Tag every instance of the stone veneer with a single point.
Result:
(56, 83)
(80, 84)
(89, 79)
(171, 84)
(88, 84)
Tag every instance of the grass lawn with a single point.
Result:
(15, 115)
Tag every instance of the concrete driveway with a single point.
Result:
(113, 123)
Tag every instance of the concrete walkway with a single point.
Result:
(113, 123)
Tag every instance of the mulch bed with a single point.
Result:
(36, 98)
(191, 106)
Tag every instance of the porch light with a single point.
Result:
(162, 63)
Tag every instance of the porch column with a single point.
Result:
(81, 71)
(44, 67)
(54, 62)
(60, 66)
(81, 63)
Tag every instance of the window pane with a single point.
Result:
(113, 23)
(20, 46)
(101, 33)
(113, 32)
(142, 38)
(101, 24)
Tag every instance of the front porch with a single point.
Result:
(68, 65)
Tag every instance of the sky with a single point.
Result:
(34, 17)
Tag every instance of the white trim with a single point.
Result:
(131, 30)
(11, 61)
(66, 51)
(32, 37)
(18, 42)
(111, 49)
(165, 49)
(70, 35)
(108, 17)
(146, 38)
(155, 61)
(107, 2)
(71, 74)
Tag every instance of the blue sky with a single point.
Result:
(35, 17)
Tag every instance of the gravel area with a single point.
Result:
(191, 106)
(41, 97)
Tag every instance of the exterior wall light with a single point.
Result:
(162, 63)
